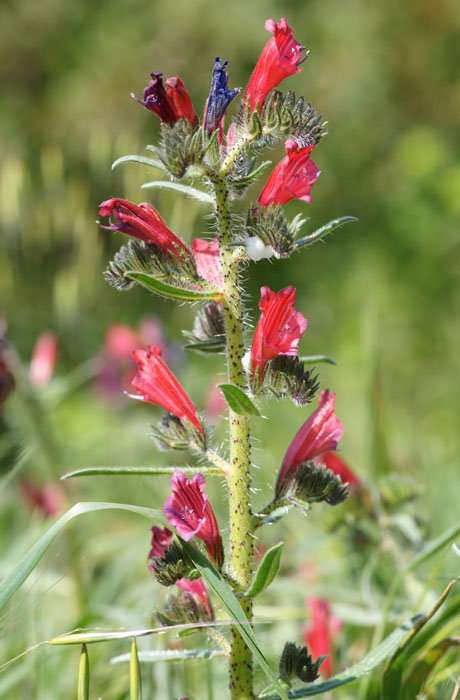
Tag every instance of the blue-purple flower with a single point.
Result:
(219, 96)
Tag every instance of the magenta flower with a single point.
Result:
(292, 178)
(207, 260)
(279, 329)
(156, 100)
(280, 58)
(320, 634)
(180, 99)
(190, 512)
(198, 590)
(332, 461)
(320, 433)
(144, 222)
(156, 384)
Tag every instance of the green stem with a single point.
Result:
(238, 477)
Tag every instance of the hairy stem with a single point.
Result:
(238, 477)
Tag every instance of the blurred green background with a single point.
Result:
(381, 297)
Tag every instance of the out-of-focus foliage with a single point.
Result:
(381, 297)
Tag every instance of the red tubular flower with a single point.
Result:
(280, 58)
(319, 635)
(332, 461)
(189, 510)
(320, 433)
(156, 384)
(292, 178)
(142, 222)
(44, 358)
(156, 100)
(279, 329)
(179, 97)
(161, 539)
(198, 590)
(207, 260)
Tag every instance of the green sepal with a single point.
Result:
(267, 570)
(168, 291)
(238, 401)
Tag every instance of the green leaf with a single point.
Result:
(392, 677)
(238, 401)
(233, 608)
(370, 661)
(16, 578)
(316, 359)
(135, 684)
(152, 162)
(267, 570)
(168, 291)
(83, 675)
(170, 655)
(324, 231)
(206, 346)
(140, 471)
(201, 196)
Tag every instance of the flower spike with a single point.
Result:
(156, 384)
(219, 96)
(278, 331)
(292, 178)
(156, 100)
(280, 58)
(190, 512)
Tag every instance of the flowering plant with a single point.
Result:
(209, 271)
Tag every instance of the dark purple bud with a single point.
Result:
(157, 100)
(219, 97)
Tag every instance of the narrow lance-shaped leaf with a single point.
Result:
(83, 675)
(168, 291)
(21, 571)
(324, 231)
(233, 608)
(201, 196)
(267, 570)
(316, 359)
(135, 685)
(142, 160)
(238, 401)
(140, 471)
(170, 655)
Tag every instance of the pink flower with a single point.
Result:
(190, 512)
(320, 433)
(161, 539)
(207, 260)
(332, 461)
(198, 590)
(279, 329)
(179, 97)
(120, 341)
(280, 58)
(43, 360)
(319, 635)
(156, 384)
(144, 222)
(292, 178)
(49, 500)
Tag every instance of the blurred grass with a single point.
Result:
(381, 297)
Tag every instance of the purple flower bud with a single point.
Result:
(219, 96)
(157, 100)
